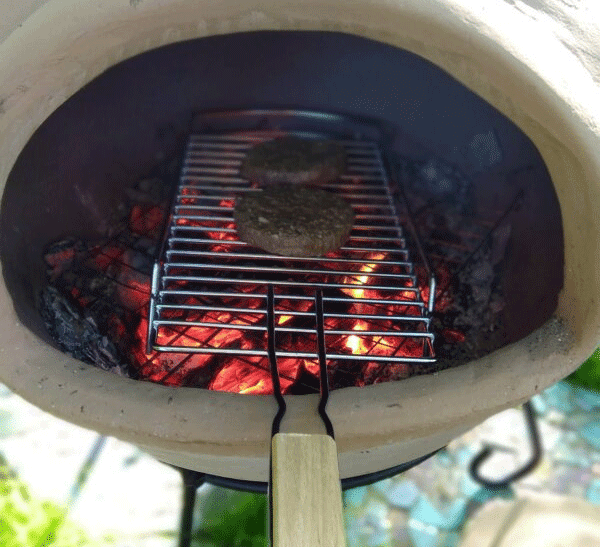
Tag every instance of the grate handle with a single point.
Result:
(306, 492)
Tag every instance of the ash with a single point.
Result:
(97, 291)
(467, 251)
(78, 334)
(475, 309)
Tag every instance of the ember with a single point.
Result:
(208, 279)
(214, 321)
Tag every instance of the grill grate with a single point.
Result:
(206, 280)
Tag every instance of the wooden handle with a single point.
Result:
(306, 492)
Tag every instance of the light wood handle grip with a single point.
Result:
(306, 492)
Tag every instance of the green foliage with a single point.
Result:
(27, 522)
(588, 374)
(231, 519)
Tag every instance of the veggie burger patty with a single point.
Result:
(293, 220)
(294, 160)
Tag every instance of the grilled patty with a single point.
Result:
(294, 160)
(293, 220)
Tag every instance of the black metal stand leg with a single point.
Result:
(192, 480)
(536, 456)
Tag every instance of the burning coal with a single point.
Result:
(96, 308)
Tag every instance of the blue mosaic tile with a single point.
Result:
(563, 479)
(477, 492)
(379, 539)
(401, 536)
(558, 396)
(6, 424)
(465, 455)
(574, 456)
(353, 536)
(593, 492)
(450, 539)
(376, 513)
(449, 518)
(444, 458)
(539, 405)
(591, 433)
(586, 398)
(404, 494)
(367, 525)
(355, 496)
(468, 486)
(383, 486)
(424, 536)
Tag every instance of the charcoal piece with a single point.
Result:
(146, 246)
(201, 376)
(389, 373)
(146, 220)
(345, 373)
(77, 334)
(101, 286)
(61, 255)
(437, 181)
(89, 283)
(476, 311)
(153, 190)
(138, 261)
(305, 383)
(116, 221)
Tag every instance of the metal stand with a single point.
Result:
(536, 455)
(192, 480)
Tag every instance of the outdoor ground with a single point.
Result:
(128, 499)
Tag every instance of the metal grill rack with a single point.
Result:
(206, 279)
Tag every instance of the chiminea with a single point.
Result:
(65, 169)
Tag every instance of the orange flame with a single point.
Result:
(251, 374)
(355, 343)
(362, 279)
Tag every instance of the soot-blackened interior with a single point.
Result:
(480, 193)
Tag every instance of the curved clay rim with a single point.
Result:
(47, 56)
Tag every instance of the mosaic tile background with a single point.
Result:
(128, 499)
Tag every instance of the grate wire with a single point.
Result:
(206, 278)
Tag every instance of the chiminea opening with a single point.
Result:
(88, 154)
(94, 179)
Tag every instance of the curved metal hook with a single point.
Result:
(273, 360)
(324, 378)
(536, 455)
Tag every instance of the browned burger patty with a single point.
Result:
(293, 220)
(294, 160)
